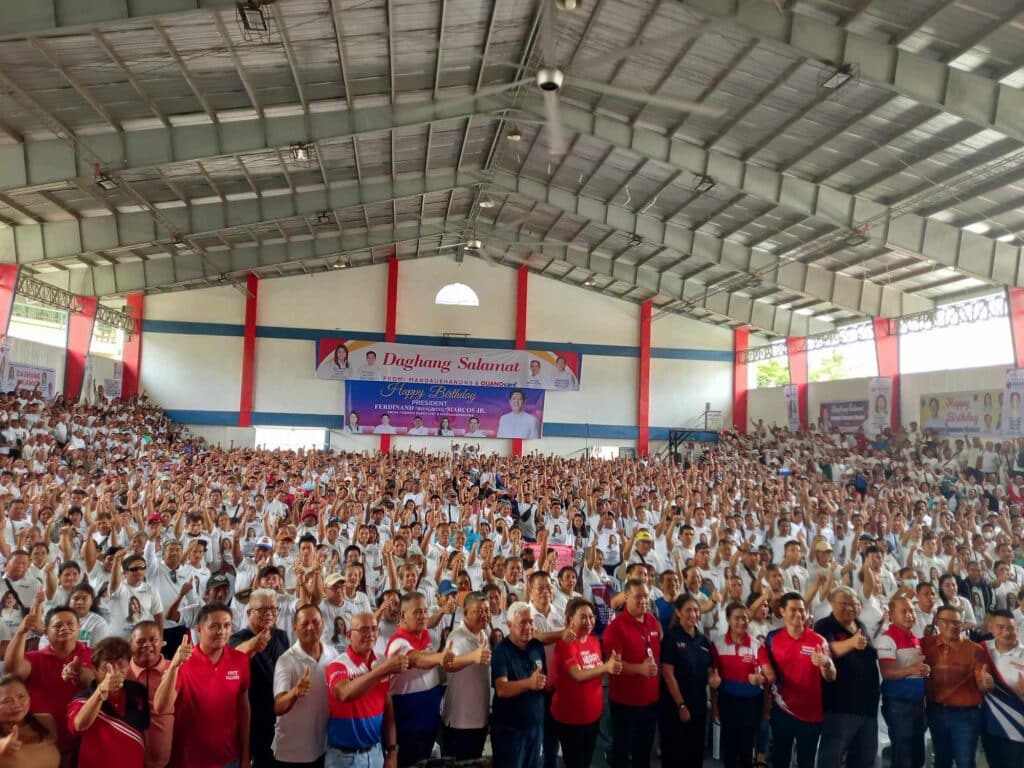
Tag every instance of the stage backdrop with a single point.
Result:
(392, 408)
(423, 364)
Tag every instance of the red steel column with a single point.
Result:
(797, 349)
(131, 356)
(522, 288)
(887, 349)
(390, 324)
(8, 287)
(1015, 302)
(740, 346)
(79, 338)
(252, 287)
(643, 385)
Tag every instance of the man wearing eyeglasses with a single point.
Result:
(960, 675)
(467, 698)
(132, 599)
(265, 644)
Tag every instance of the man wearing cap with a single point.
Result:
(824, 560)
(249, 567)
(640, 549)
(218, 589)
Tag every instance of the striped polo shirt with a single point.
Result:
(1004, 708)
(355, 724)
(735, 662)
(416, 693)
(904, 649)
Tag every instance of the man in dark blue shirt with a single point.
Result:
(518, 674)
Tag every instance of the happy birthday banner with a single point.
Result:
(348, 360)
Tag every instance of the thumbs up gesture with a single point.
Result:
(112, 681)
(184, 652)
(614, 664)
(448, 657)
(858, 640)
(302, 687)
(10, 744)
(538, 679)
(984, 678)
(819, 658)
(714, 679)
(399, 662)
(70, 671)
(483, 654)
(650, 666)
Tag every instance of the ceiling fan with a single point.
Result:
(550, 79)
(474, 245)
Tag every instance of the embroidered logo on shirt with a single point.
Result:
(233, 674)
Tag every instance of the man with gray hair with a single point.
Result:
(468, 696)
(518, 673)
(850, 702)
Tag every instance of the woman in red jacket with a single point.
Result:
(579, 699)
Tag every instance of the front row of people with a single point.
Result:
(123, 705)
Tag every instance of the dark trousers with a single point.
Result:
(550, 745)
(578, 743)
(855, 736)
(787, 731)
(955, 732)
(906, 723)
(414, 746)
(318, 763)
(632, 735)
(741, 718)
(682, 744)
(262, 757)
(516, 746)
(1000, 751)
(463, 743)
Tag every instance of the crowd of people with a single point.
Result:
(771, 595)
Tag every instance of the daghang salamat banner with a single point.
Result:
(443, 410)
(349, 360)
(847, 416)
(976, 412)
(21, 376)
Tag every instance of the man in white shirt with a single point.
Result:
(385, 428)
(417, 426)
(468, 696)
(131, 599)
(517, 423)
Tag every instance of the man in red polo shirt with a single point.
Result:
(207, 688)
(55, 674)
(635, 634)
(800, 657)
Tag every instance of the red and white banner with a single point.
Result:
(341, 359)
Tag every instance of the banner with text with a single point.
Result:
(791, 394)
(880, 393)
(112, 386)
(21, 376)
(348, 359)
(978, 412)
(847, 416)
(1013, 413)
(442, 410)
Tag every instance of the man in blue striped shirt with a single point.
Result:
(1003, 732)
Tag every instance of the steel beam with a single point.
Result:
(52, 17)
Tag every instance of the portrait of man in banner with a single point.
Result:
(517, 423)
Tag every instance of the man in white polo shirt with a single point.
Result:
(517, 422)
(467, 699)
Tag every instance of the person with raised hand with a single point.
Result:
(579, 671)
(903, 683)
(112, 716)
(301, 697)
(27, 739)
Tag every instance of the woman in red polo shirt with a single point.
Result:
(738, 703)
(113, 714)
(579, 699)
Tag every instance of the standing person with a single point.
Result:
(850, 702)
(28, 739)
(685, 665)
(416, 692)
(800, 659)
(548, 627)
(742, 664)
(468, 696)
(113, 715)
(361, 732)
(903, 675)
(1003, 734)
(578, 670)
(207, 689)
(147, 667)
(301, 696)
(518, 673)
(635, 636)
(55, 674)
(265, 644)
(959, 676)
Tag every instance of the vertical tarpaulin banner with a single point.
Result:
(1013, 417)
(112, 386)
(880, 403)
(5, 353)
(791, 394)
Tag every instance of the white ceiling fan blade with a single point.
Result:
(487, 90)
(556, 132)
(486, 257)
(641, 47)
(453, 245)
(680, 105)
